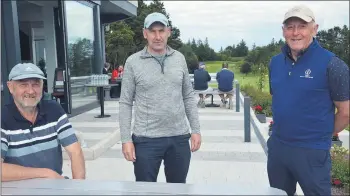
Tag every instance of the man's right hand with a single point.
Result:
(52, 174)
(129, 151)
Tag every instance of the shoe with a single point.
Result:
(223, 103)
(230, 105)
(203, 104)
(199, 103)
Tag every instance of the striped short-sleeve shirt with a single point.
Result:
(36, 145)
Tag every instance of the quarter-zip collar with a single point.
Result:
(145, 54)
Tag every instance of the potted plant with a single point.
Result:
(270, 127)
(259, 112)
(336, 140)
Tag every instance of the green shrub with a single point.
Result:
(262, 77)
(246, 68)
(340, 164)
(258, 97)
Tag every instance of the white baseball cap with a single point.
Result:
(301, 12)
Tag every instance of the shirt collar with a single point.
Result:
(18, 116)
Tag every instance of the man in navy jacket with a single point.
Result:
(307, 84)
(225, 79)
(201, 78)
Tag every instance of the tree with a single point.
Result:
(119, 43)
(80, 57)
(190, 56)
(241, 49)
(194, 45)
(336, 40)
(136, 24)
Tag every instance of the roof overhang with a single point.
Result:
(116, 10)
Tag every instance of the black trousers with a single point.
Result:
(175, 151)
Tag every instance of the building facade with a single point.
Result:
(60, 34)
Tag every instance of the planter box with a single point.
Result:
(337, 143)
(261, 117)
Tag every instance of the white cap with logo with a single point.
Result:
(301, 12)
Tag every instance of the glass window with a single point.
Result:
(80, 37)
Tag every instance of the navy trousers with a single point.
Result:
(287, 165)
(175, 151)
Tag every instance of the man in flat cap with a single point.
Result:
(33, 131)
(157, 78)
(308, 84)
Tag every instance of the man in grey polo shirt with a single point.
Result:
(33, 131)
(157, 77)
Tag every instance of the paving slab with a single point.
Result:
(224, 157)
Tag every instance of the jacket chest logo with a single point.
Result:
(307, 74)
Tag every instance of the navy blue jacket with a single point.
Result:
(225, 80)
(201, 79)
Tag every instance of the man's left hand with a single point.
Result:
(195, 142)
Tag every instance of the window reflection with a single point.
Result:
(80, 37)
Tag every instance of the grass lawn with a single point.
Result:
(215, 66)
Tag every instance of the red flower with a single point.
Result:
(336, 182)
(258, 108)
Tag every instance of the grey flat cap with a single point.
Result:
(26, 70)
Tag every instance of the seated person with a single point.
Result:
(225, 83)
(33, 130)
(201, 79)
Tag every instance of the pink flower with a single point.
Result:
(336, 182)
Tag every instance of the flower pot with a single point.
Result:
(261, 117)
(337, 143)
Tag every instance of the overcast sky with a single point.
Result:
(227, 22)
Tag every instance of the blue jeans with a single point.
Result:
(175, 151)
(287, 165)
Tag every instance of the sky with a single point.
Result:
(226, 23)
(79, 21)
